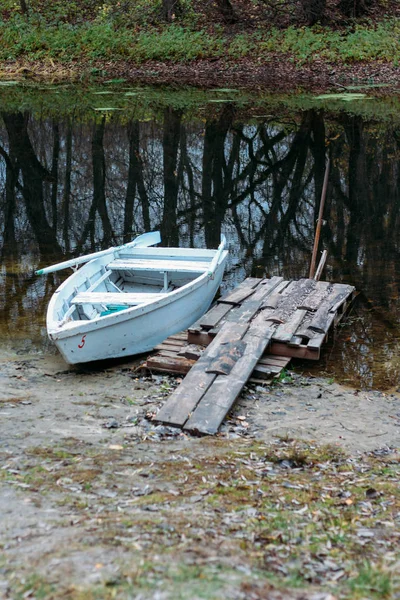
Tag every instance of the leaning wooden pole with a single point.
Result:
(319, 222)
(321, 265)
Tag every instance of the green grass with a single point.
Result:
(54, 34)
(365, 42)
(371, 582)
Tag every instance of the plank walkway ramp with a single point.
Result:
(253, 331)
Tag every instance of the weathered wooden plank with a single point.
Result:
(214, 316)
(164, 364)
(285, 350)
(219, 398)
(168, 353)
(118, 298)
(169, 346)
(295, 341)
(342, 300)
(291, 298)
(218, 314)
(277, 361)
(303, 330)
(285, 332)
(201, 338)
(191, 351)
(159, 265)
(274, 298)
(185, 398)
(228, 355)
(241, 292)
(337, 296)
(179, 336)
(316, 342)
(252, 305)
(265, 370)
(314, 300)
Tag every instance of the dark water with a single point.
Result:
(72, 184)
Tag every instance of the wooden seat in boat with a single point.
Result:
(160, 265)
(107, 298)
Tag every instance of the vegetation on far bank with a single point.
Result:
(255, 30)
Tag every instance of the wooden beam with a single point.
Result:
(222, 394)
(241, 292)
(185, 398)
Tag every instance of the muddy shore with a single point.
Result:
(51, 401)
(98, 499)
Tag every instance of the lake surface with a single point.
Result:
(81, 176)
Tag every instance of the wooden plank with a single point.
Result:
(214, 316)
(316, 342)
(160, 266)
(285, 332)
(271, 359)
(342, 301)
(337, 296)
(303, 330)
(314, 300)
(201, 338)
(291, 298)
(191, 351)
(272, 366)
(228, 355)
(185, 398)
(219, 398)
(168, 353)
(178, 336)
(295, 342)
(175, 342)
(285, 350)
(172, 347)
(266, 371)
(252, 305)
(164, 364)
(118, 298)
(241, 292)
(274, 298)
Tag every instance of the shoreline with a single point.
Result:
(277, 74)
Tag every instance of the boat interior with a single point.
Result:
(125, 282)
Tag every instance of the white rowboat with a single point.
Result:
(128, 299)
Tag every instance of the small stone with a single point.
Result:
(111, 424)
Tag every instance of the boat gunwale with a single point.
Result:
(71, 328)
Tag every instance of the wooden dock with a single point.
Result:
(252, 332)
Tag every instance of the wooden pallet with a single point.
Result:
(305, 312)
(251, 332)
(176, 357)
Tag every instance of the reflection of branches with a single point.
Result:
(54, 173)
(12, 173)
(34, 175)
(67, 186)
(135, 183)
(172, 175)
(99, 200)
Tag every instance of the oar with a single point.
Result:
(142, 241)
(216, 258)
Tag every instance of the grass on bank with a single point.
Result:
(90, 31)
(232, 516)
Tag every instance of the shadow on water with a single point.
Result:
(73, 182)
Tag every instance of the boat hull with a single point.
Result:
(138, 329)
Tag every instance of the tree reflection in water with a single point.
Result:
(74, 187)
